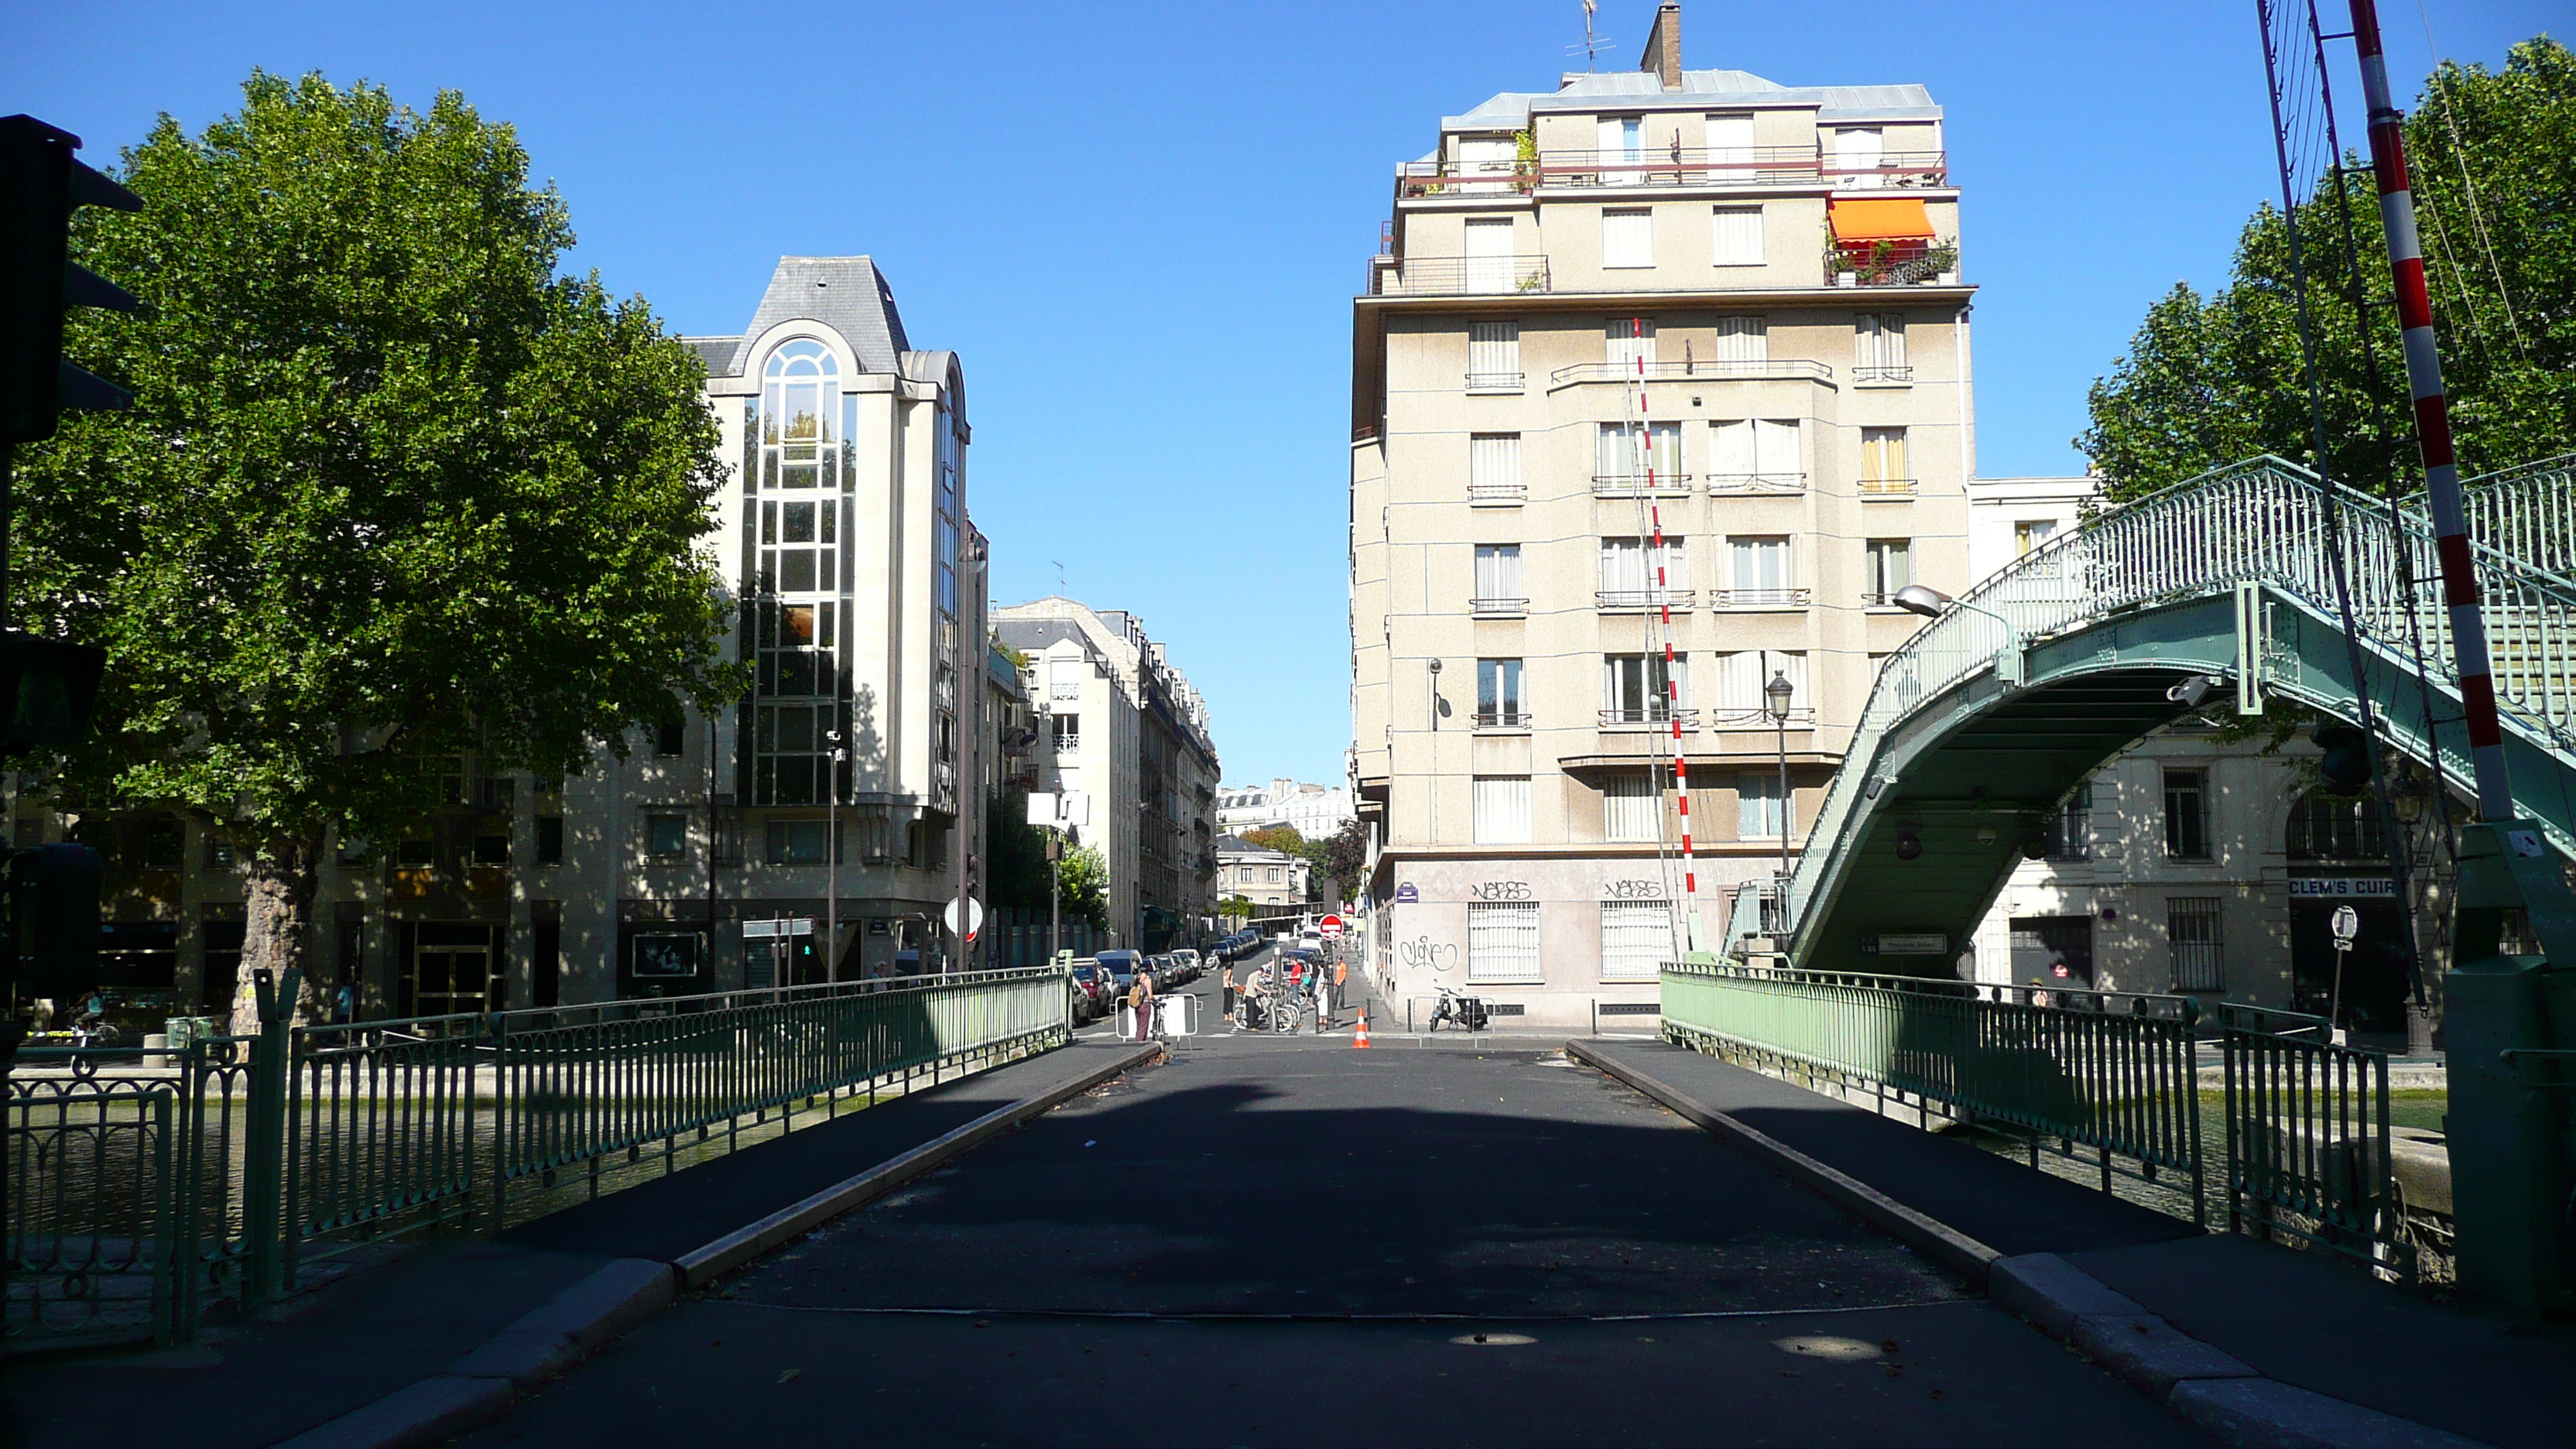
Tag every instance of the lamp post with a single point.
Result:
(1931, 603)
(1775, 701)
(832, 863)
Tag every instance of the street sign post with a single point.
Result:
(1329, 927)
(2347, 925)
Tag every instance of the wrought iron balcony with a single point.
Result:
(1887, 488)
(1759, 598)
(1883, 374)
(1647, 716)
(1701, 369)
(1614, 601)
(1742, 166)
(1417, 179)
(1749, 485)
(1913, 263)
(1496, 381)
(1497, 608)
(1456, 276)
(1503, 719)
(1639, 485)
(1497, 492)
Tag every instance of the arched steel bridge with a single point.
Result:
(1994, 711)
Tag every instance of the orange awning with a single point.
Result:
(1895, 219)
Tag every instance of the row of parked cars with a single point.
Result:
(1237, 946)
(1101, 981)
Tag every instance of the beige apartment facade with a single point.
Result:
(1686, 305)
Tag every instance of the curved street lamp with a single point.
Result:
(1931, 603)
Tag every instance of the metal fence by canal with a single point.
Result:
(139, 1189)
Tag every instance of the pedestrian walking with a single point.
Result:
(1140, 995)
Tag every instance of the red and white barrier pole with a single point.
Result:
(2432, 422)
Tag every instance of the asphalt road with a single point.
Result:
(1282, 1240)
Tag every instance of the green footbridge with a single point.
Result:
(1982, 723)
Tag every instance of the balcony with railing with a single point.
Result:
(1496, 381)
(1679, 166)
(1638, 601)
(1415, 180)
(1760, 598)
(1703, 369)
(1497, 492)
(1648, 716)
(1455, 276)
(1886, 487)
(1640, 485)
(1503, 719)
(1498, 608)
(1882, 374)
(1757, 485)
(1912, 262)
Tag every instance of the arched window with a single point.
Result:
(2325, 826)
(796, 570)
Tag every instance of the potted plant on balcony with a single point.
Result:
(1524, 160)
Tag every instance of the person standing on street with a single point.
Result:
(1225, 985)
(1140, 995)
(1323, 999)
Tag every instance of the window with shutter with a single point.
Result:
(1628, 237)
(1502, 809)
(1502, 941)
(1736, 236)
(1494, 356)
(1636, 939)
(1628, 804)
(1743, 339)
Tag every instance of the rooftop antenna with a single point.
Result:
(1591, 42)
(1059, 576)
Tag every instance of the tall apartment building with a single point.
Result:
(1118, 722)
(842, 531)
(1694, 303)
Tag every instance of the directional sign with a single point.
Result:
(974, 916)
(2347, 924)
(783, 926)
(1329, 927)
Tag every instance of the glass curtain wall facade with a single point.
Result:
(798, 483)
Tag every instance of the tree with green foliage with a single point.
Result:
(1083, 888)
(1281, 838)
(392, 492)
(1343, 859)
(2209, 380)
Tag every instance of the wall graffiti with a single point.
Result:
(1424, 954)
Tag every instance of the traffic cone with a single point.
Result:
(1360, 1042)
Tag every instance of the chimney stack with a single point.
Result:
(1664, 47)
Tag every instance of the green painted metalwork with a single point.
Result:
(142, 1190)
(2101, 1070)
(2307, 1138)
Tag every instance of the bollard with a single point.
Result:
(2509, 1032)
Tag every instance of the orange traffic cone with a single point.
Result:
(1360, 1042)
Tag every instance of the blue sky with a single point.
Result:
(1142, 224)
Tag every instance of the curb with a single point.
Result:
(488, 1382)
(1934, 1239)
(2213, 1391)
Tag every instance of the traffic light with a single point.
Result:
(2346, 766)
(40, 183)
(52, 941)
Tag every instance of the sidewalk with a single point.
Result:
(383, 1331)
(2301, 1319)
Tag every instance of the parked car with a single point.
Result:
(1092, 984)
(1121, 966)
(1191, 966)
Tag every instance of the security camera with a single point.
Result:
(2192, 691)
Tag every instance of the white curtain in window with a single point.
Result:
(1498, 571)
(1493, 463)
(1489, 254)
(1730, 448)
(1742, 674)
(1761, 563)
(1757, 805)
(1628, 804)
(1775, 447)
(1493, 352)
(1628, 237)
(1502, 809)
(1615, 447)
(1730, 139)
(1743, 339)
(1736, 236)
(1879, 339)
(1629, 339)
(1502, 941)
(1856, 153)
(1623, 564)
(1636, 939)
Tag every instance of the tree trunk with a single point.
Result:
(279, 884)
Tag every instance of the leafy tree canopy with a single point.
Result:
(2210, 380)
(392, 488)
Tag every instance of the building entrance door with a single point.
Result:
(2052, 951)
(451, 972)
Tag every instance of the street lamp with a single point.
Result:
(832, 863)
(1931, 603)
(1775, 701)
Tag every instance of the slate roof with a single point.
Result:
(847, 294)
(1701, 89)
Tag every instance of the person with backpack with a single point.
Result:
(1140, 995)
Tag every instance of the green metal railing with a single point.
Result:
(138, 1190)
(2068, 1071)
(2308, 1151)
(2306, 1122)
